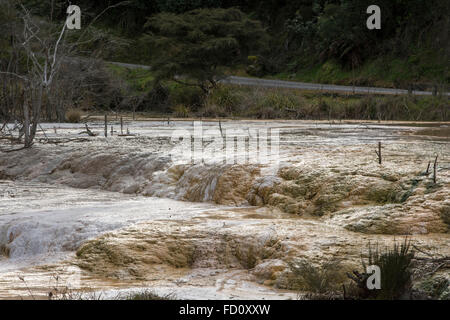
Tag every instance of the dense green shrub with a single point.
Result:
(226, 98)
(181, 111)
(192, 97)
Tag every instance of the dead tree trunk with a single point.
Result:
(26, 124)
(37, 105)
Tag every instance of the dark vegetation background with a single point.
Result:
(323, 41)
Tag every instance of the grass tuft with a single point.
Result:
(148, 295)
(318, 280)
(396, 272)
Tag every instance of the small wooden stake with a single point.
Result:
(106, 125)
(112, 131)
(121, 125)
(435, 169)
(379, 153)
(428, 168)
(220, 127)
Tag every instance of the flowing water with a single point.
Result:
(209, 209)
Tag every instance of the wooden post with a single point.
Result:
(379, 153)
(112, 131)
(106, 125)
(428, 168)
(435, 169)
(121, 125)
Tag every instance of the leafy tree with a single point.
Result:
(337, 28)
(193, 48)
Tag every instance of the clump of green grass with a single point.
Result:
(192, 97)
(316, 280)
(148, 295)
(226, 98)
(396, 272)
(436, 287)
(181, 111)
(395, 266)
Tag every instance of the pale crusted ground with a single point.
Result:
(328, 197)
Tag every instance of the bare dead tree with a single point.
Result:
(41, 50)
(45, 48)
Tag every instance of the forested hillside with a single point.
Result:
(322, 41)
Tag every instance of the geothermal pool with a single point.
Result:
(209, 210)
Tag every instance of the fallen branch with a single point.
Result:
(58, 141)
(11, 138)
(435, 269)
(423, 252)
(443, 259)
(88, 131)
(13, 150)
